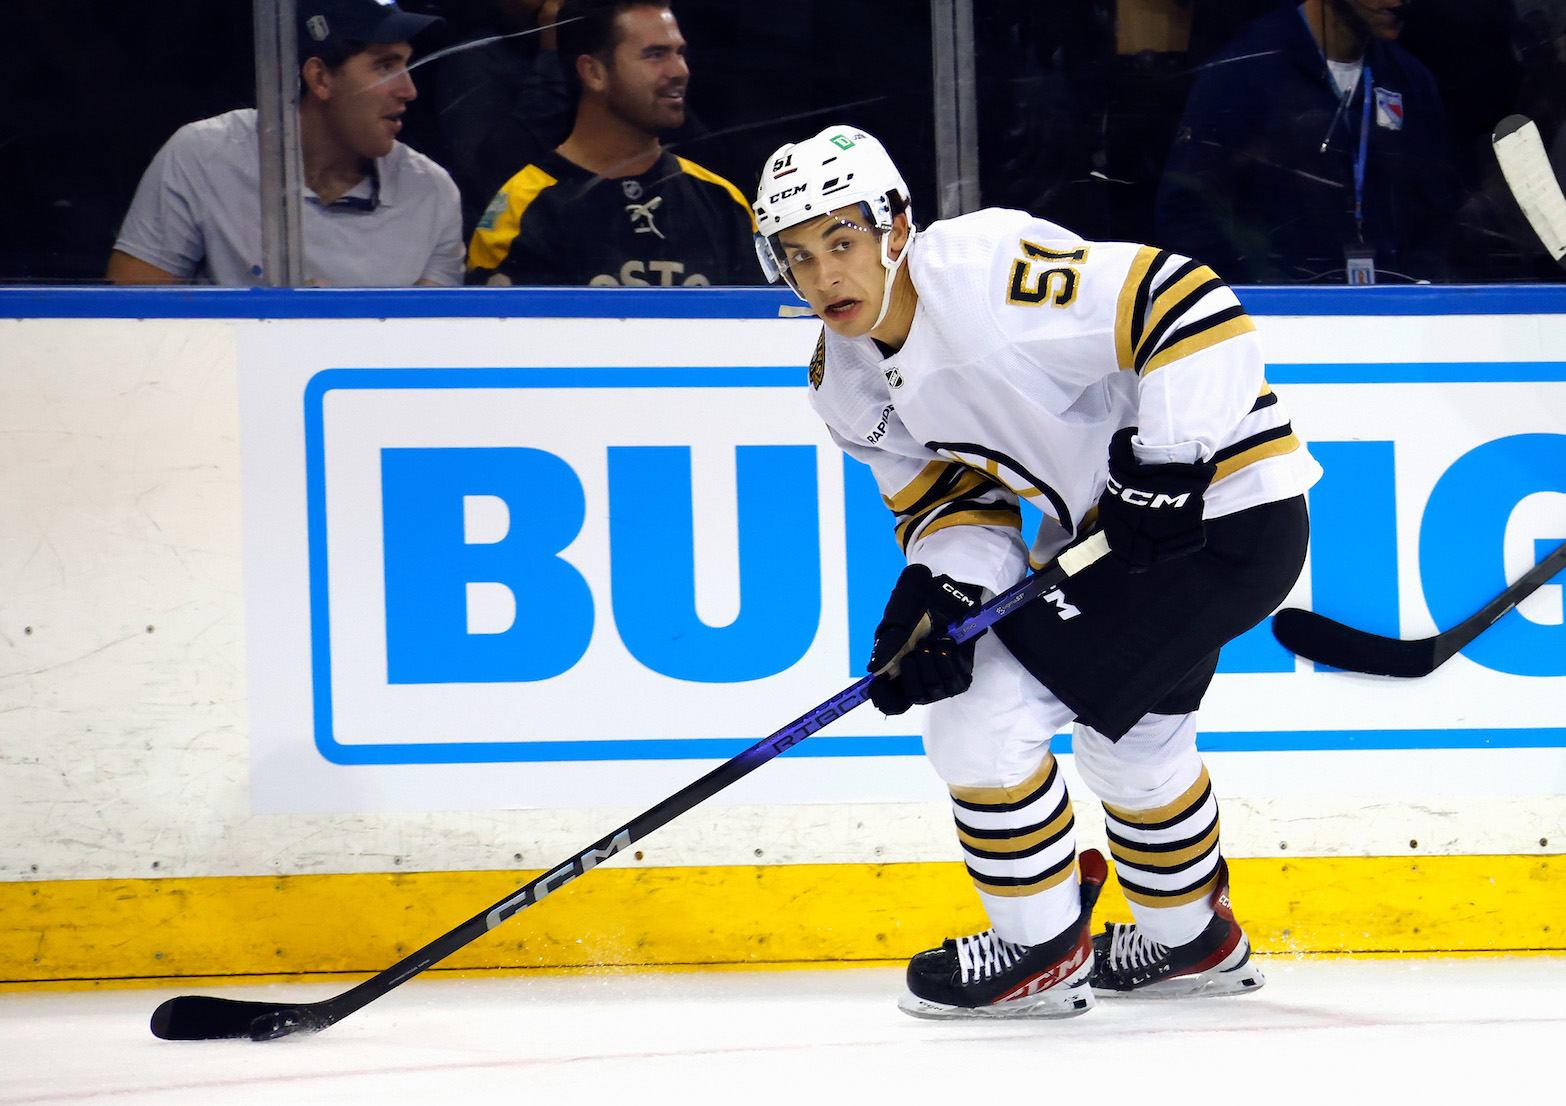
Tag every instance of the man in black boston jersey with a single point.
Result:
(610, 206)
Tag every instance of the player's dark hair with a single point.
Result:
(588, 27)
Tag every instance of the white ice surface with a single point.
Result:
(1323, 1031)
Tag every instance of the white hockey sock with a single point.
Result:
(1019, 843)
(1162, 821)
(1166, 859)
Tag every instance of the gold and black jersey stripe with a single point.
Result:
(997, 466)
(948, 494)
(1262, 436)
(1159, 318)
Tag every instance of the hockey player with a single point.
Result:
(1117, 386)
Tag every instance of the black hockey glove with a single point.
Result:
(1151, 513)
(923, 664)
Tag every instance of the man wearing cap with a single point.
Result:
(376, 213)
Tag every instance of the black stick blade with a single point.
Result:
(1318, 638)
(202, 1018)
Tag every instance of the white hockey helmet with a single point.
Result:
(837, 168)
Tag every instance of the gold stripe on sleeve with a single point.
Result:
(1125, 310)
(1199, 341)
(1275, 448)
(1010, 518)
(1171, 297)
(490, 246)
(918, 487)
(712, 178)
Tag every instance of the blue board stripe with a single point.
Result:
(1420, 372)
(193, 302)
(826, 745)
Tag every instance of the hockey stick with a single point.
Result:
(1529, 175)
(1318, 638)
(204, 1018)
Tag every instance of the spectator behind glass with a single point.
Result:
(376, 213)
(501, 98)
(1267, 169)
(610, 205)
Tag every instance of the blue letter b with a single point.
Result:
(441, 566)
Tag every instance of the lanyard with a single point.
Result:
(1361, 157)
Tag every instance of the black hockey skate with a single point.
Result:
(1218, 962)
(985, 977)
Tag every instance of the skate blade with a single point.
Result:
(1067, 1004)
(1236, 981)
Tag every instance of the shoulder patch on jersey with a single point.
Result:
(492, 213)
(818, 361)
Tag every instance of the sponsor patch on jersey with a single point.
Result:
(1389, 109)
(818, 361)
(496, 208)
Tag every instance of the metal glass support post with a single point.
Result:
(956, 107)
(277, 134)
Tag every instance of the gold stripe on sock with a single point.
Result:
(1003, 796)
(1201, 891)
(1054, 828)
(1186, 800)
(1043, 883)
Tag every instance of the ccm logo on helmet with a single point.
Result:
(786, 193)
(1138, 498)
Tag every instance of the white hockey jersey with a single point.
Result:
(1029, 348)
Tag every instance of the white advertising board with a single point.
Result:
(572, 562)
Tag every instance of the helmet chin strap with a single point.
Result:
(891, 271)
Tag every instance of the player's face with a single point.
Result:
(644, 83)
(835, 263)
(367, 96)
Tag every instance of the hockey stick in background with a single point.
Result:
(1531, 178)
(1318, 638)
(204, 1018)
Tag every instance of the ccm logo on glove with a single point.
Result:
(1151, 513)
(1139, 498)
(914, 658)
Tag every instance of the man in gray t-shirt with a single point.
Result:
(376, 213)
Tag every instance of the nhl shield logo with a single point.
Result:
(632, 189)
(894, 379)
